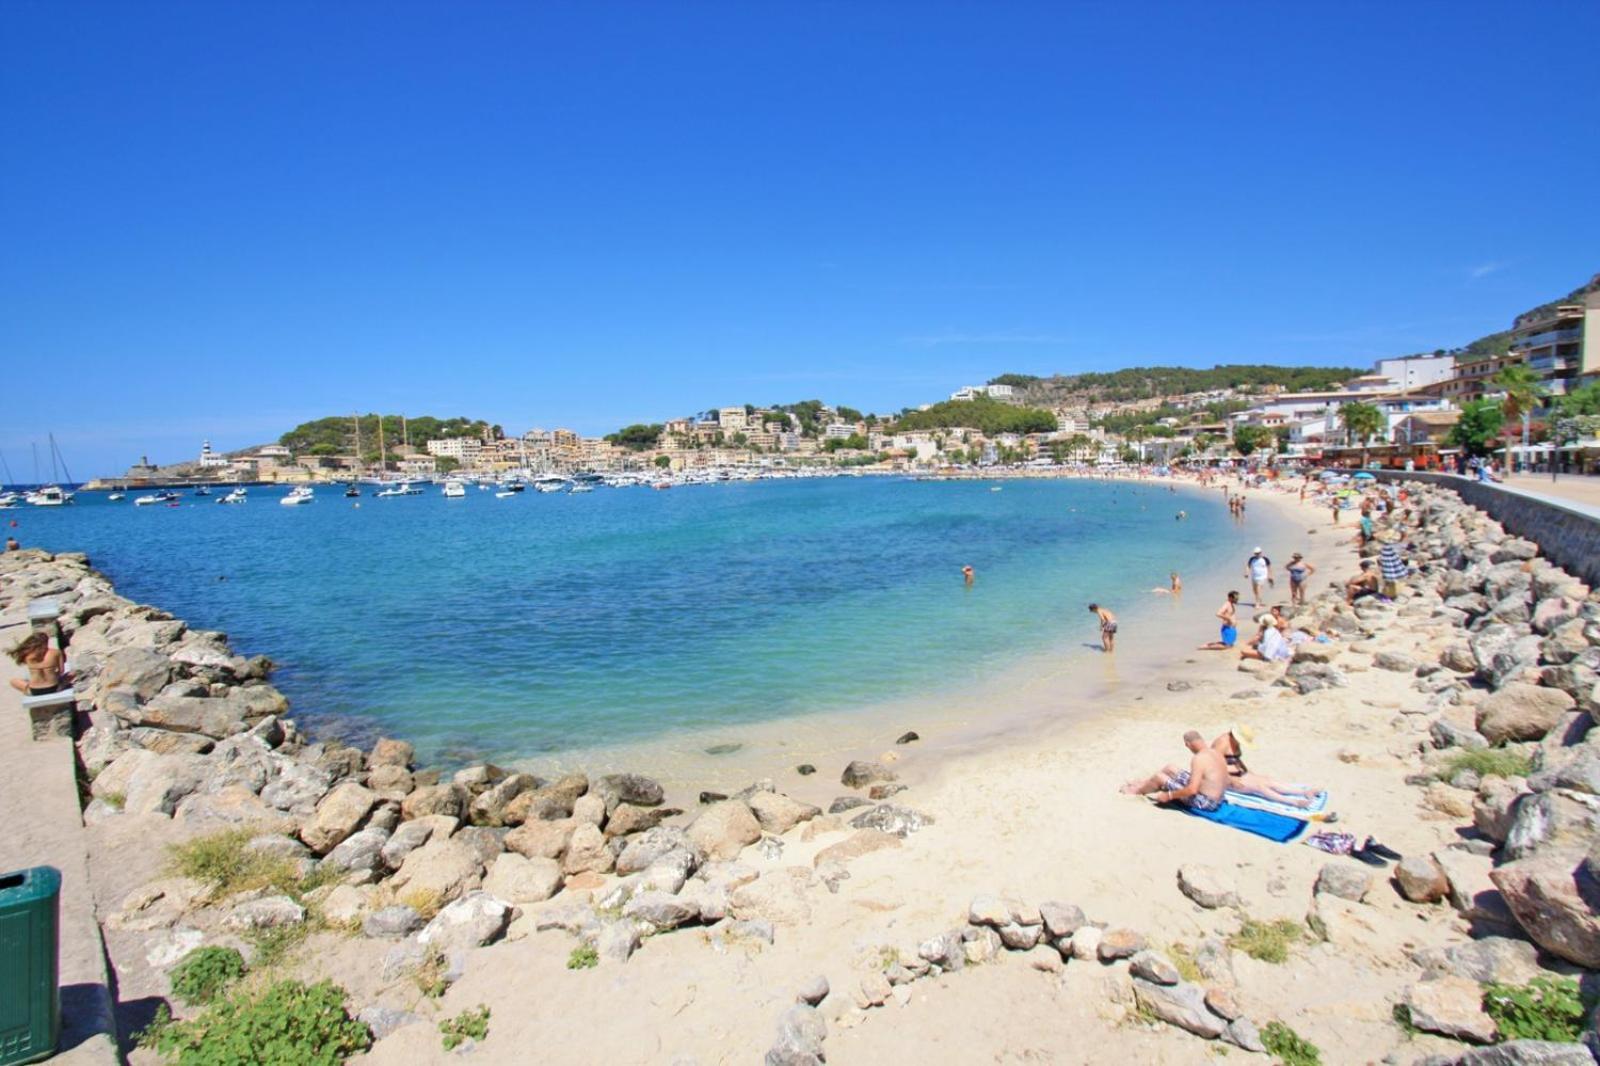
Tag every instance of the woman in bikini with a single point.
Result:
(44, 665)
(1230, 746)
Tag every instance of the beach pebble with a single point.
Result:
(724, 829)
(805, 769)
(847, 803)
(1046, 959)
(908, 737)
(1086, 943)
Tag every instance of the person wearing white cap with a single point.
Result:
(1258, 568)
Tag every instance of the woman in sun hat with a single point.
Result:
(1231, 746)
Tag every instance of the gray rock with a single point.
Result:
(1451, 1006)
(660, 910)
(636, 789)
(1020, 937)
(412, 835)
(1205, 886)
(644, 849)
(1520, 711)
(1544, 819)
(385, 1020)
(801, 1032)
(392, 923)
(1182, 1005)
(892, 818)
(271, 912)
(1396, 662)
(847, 803)
(618, 940)
(862, 773)
(1153, 966)
(814, 991)
(359, 851)
(1528, 1053)
(1492, 960)
(1119, 944)
(1061, 919)
(297, 787)
(1557, 903)
(1242, 1033)
(1420, 879)
(1447, 734)
(1344, 880)
(469, 922)
(751, 929)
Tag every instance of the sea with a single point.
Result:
(537, 624)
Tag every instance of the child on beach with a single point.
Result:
(1108, 627)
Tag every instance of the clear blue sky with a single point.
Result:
(219, 219)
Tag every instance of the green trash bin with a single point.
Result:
(30, 1000)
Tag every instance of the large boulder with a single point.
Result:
(540, 839)
(1520, 711)
(1205, 886)
(1556, 900)
(644, 849)
(337, 816)
(450, 800)
(1541, 820)
(220, 716)
(472, 921)
(1503, 652)
(387, 752)
(1420, 879)
(296, 786)
(779, 896)
(140, 671)
(724, 829)
(636, 789)
(1451, 1006)
(1181, 1004)
(489, 807)
(158, 784)
(439, 870)
(517, 879)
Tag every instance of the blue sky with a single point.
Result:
(221, 219)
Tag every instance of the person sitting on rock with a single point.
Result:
(1269, 645)
(1363, 584)
(1201, 786)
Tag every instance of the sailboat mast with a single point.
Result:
(56, 451)
(7, 468)
(35, 446)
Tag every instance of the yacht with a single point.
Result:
(552, 484)
(155, 498)
(115, 496)
(404, 488)
(202, 491)
(298, 495)
(49, 496)
(455, 490)
(581, 487)
(9, 500)
(236, 496)
(504, 494)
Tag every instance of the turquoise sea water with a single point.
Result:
(530, 625)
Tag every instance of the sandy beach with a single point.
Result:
(1019, 784)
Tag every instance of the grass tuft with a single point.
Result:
(583, 957)
(1488, 762)
(1289, 1047)
(1267, 941)
(224, 863)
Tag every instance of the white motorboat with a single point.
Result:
(298, 495)
(580, 488)
(115, 496)
(238, 495)
(49, 496)
(155, 498)
(552, 484)
(504, 494)
(9, 500)
(455, 490)
(404, 488)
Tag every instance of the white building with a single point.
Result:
(838, 431)
(270, 451)
(732, 419)
(1071, 423)
(464, 450)
(994, 392)
(1417, 371)
(210, 460)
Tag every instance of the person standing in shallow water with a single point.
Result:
(1108, 627)
(967, 575)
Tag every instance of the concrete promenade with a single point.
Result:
(44, 827)
(1576, 492)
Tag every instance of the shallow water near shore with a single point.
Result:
(553, 628)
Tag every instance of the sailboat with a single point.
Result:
(53, 495)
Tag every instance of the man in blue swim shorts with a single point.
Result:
(1229, 635)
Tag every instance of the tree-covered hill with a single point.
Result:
(1146, 382)
(981, 413)
(336, 434)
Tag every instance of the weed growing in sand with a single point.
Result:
(274, 946)
(1402, 1018)
(468, 1025)
(288, 1024)
(426, 902)
(204, 973)
(1187, 968)
(430, 976)
(1488, 762)
(583, 957)
(227, 864)
(1546, 1008)
(1289, 1047)
(1267, 941)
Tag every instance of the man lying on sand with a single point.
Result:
(1201, 786)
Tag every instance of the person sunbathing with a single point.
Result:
(1200, 787)
(1363, 584)
(1230, 745)
(1269, 645)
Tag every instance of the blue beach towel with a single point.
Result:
(1276, 827)
(1319, 803)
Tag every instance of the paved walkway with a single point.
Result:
(1576, 492)
(43, 827)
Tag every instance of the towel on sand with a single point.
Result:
(1277, 827)
(1319, 803)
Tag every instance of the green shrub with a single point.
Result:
(583, 957)
(1546, 1008)
(1488, 762)
(223, 862)
(204, 973)
(468, 1025)
(1267, 941)
(1289, 1047)
(290, 1024)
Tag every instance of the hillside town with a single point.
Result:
(1531, 393)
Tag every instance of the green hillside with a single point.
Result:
(981, 413)
(336, 434)
(1145, 382)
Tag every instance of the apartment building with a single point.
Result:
(464, 450)
(1417, 371)
(732, 419)
(1561, 343)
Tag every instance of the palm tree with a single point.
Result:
(1361, 421)
(1524, 390)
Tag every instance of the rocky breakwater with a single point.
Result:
(177, 725)
(1504, 649)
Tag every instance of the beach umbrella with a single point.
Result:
(1364, 476)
